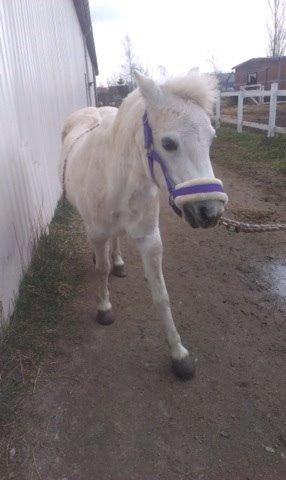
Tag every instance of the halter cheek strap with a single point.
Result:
(152, 157)
(190, 191)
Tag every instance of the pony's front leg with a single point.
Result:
(102, 269)
(150, 248)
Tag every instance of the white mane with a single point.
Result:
(202, 89)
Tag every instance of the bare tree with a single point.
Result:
(214, 64)
(131, 64)
(163, 72)
(115, 79)
(277, 28)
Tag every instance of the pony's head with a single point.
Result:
(179, 115)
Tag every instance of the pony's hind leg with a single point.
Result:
(118, 267)
(102, 269)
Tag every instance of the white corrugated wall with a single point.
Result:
(42, 80)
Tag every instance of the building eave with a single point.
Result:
(260, 59)
(84, 18)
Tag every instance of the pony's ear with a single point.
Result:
(194, 71)
(149, 89)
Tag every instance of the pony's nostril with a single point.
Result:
(204, 212)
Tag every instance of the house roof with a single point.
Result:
(83, 14)
(261, 59)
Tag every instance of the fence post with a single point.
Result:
(217, 111)
(240, 111)
(272, 109)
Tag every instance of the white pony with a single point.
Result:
(106, 177)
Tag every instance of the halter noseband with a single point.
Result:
(189, 191)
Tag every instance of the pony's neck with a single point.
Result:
(128, 137)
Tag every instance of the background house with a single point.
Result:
(48, 67)
(263, 70)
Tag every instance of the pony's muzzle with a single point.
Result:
(204, 213)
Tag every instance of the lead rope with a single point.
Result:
(66, 158)
(236, 226)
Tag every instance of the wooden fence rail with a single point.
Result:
(271, 127)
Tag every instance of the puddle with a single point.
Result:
(277, 275)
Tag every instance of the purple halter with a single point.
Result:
(152, 155)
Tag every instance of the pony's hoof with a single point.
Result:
(119, 271)
(105, 317)
(183, 369)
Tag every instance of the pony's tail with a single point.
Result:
(64, 132)
(87, 117)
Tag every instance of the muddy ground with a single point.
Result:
(106, 405)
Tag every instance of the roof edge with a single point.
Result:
(84, 18)
(257, 59)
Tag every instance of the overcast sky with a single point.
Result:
(179, 34)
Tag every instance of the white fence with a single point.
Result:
(42, 80)
(270, 127)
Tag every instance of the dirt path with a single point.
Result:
(109, 407)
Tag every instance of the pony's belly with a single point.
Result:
(100, 225)
(135, 222)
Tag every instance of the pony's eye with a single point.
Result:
(169, 144)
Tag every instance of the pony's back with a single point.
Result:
(86, 117)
